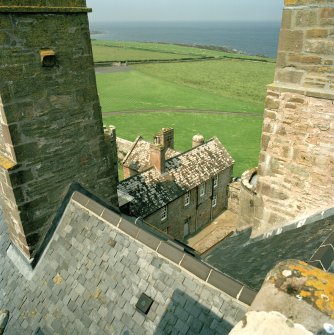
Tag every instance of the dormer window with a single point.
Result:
(202, 189)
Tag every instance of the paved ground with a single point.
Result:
(112, 69)
(220, 228)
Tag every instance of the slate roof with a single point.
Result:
(152, 190)
(96, 268)
(138, 158)
(249, 262)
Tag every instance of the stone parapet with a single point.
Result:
(43, 6)
(300, 291)
(42, 3)
(246, 180)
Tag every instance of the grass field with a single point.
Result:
(230, 85)
(106, 53)
(127, 51)
(225, 85)
(240, 135)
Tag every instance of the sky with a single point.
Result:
(185, 10)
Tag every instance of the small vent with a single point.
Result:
(48, 58)
(144, 303)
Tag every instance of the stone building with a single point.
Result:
(51, 132)
(181, 194)
(295, 176)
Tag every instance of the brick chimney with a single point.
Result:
(157, 157)
(165, 137)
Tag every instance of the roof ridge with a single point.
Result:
(130, 151)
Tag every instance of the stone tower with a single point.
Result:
(51, 131)
(296, 167)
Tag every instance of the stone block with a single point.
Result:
(298, 58)
(322, 46)
(291, 40)
(317, 33)
(287, 19)
(272, 103)
(289, 75)
(306, 18)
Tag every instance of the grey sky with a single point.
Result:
(185, 10)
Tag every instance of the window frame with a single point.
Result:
(215, 181)
(202, 189)
(187, 199)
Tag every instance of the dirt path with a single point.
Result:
(248, 114)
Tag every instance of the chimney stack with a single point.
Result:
(165, 137)
(157, 157)
(198, 140)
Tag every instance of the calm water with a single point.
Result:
(255, 38)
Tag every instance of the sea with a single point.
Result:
(253, 38)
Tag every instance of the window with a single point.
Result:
(187, 199)
(215, 181)
(214, 201)
(164, 213)
(202, 189)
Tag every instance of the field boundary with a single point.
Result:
(190, 111)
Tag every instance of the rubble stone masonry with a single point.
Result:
(296, 165)
(51, 132)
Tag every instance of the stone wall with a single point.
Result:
(306, 47)
(233, 197)
(295, 176)
(247, 200)
(50, 116)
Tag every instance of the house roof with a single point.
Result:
(152, 190)
(250, 260)
(93, 272)
(138, 157)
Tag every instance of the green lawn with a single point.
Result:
(124, 91)
(225, 85)
(239, 80)
(240, 135)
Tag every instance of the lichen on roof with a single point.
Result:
(306, 282)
